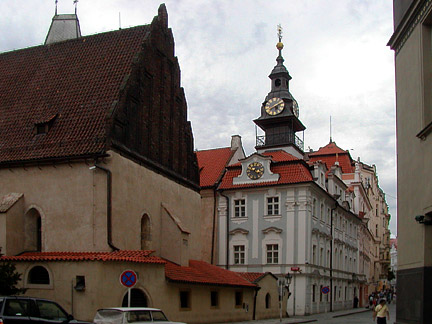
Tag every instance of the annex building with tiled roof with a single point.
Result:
(281, 210)
(99, 175)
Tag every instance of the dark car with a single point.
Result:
(22, 310)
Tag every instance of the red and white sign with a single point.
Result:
(295, 269)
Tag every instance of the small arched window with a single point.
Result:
(267, 301)
(145, 232)
(38, 275)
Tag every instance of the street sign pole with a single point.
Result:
(129, 297)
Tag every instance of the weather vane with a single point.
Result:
(279, 29)
(75, 3)
(56, 7)
(279, 45)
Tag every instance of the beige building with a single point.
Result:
(102, 178)
(411, 42)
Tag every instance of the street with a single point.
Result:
(352, 316)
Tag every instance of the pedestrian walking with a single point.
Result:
(381, 312)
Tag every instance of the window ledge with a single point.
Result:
(239, 220)
(272, 217)
(425, 132)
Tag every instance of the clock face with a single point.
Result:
(255, 170)
(274, 106)
(295, 108)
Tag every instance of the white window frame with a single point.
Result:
(273, 204)
(234, 207)
(241, 254)
(275, 253)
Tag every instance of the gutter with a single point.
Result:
(109, 204)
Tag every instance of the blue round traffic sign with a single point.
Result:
(128, 278)
(325, 290)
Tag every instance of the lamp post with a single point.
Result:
(283, 283)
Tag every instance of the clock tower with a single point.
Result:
(279, 113)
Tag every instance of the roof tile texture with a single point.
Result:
(200, 272)
(73, 84)
(122, 255)
(290, 169)
(212, 164)
(330, 154)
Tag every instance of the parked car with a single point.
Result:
(23, 310)
(124, 315)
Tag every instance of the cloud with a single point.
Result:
(335, 51)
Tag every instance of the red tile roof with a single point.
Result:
(70, 85)
(122, 255)
(200, 272)
(330, 149)
(290, 172)
(331, 153)
(280, 156)
(252, 276)
(212, 164)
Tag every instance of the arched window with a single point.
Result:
(138, 299)
(145, 232)
(38, 275)
(267, 301)
(33, 230)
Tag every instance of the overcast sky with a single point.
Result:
(335, 51)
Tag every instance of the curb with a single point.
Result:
(352, 313)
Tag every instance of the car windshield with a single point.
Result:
(158, 316)
(104, 316)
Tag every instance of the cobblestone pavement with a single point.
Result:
(351, 316)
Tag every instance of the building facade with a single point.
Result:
(411, 42)
(101, 178)
(278, 212)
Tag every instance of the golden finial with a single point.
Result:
(279, 45)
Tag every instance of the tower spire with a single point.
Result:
(56, 1)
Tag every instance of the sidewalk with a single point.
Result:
(309, 318)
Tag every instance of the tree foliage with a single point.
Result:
(9, 279)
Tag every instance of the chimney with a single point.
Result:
(236, 142)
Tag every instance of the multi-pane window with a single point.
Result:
(272, 205)
(239, 208)
(272, 253)
(239, 254)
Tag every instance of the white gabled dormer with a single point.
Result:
(256, 169)
(319, 173)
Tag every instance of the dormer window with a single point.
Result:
(44, 125)
(41, 129)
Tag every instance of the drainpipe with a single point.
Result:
(214, 226)
(255, 301)
(109, 204)
(227, 230)
(331, 256)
